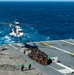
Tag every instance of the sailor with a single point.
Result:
(22, 67)
(29, 66)
(49, 60)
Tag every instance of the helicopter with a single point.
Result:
(16, 31)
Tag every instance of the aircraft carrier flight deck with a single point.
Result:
(60, 51)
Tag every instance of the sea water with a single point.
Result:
(40, 21)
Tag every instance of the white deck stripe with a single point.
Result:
(64, 71)
(13, 47)
(61, 50)
(55, 69)
(67, 42)
(64, 66)
(57, 48)
(21, 45)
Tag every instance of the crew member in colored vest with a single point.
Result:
(49, 60)
(29, 66)
(22, 67)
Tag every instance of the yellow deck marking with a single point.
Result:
(65, 51)
(45, 44)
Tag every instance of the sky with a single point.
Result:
(36, 0)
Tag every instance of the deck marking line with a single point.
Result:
(72, 54)
(67, 42)
(64, 66)
(64, 71)
(56, 69)
(55, 47)
(13, 46)
(46, 44)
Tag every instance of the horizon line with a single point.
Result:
(36, 1)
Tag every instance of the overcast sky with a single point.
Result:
(36, 0)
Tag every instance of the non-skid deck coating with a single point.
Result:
(10, 61)
(58, 48)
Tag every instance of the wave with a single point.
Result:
(6, 40)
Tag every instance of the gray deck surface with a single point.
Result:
(12, 59)
(58, 48)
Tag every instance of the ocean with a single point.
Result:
(40, 21)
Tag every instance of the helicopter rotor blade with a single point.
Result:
(24, 23)
(3, 23)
